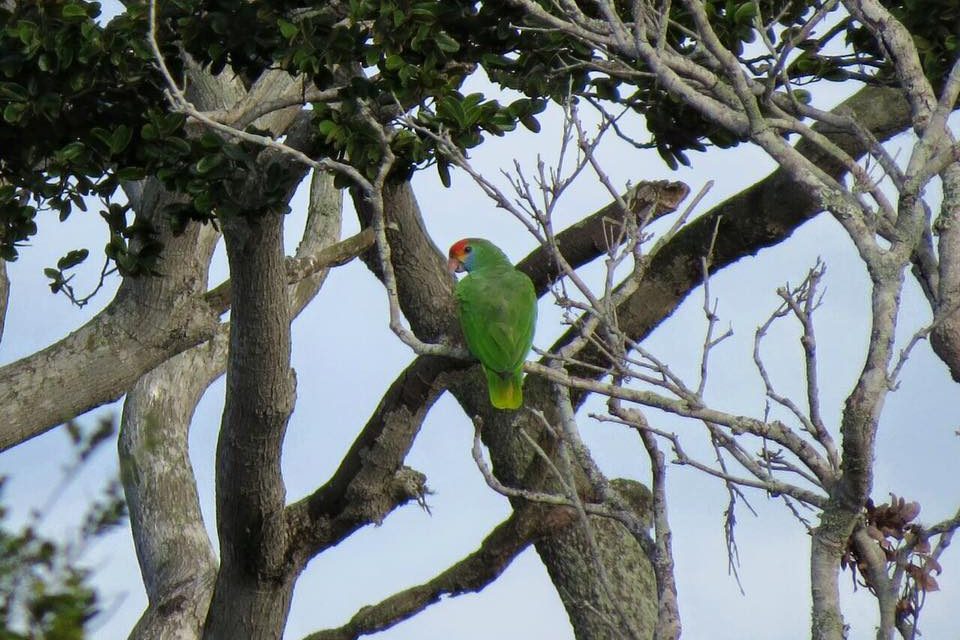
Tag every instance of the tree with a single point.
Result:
(196, 110)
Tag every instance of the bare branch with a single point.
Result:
(302, 267)
(177, 562)
(471, 574)
(371, 465)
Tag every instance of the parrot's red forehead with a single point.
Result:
(459, 247)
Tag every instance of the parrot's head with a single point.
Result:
(461, 256)
(474, 253)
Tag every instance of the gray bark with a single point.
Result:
(148, 321)
(254, 585)
(427, 300)
(176, 558)
(4, 294)
(177, 562)
(945, 337)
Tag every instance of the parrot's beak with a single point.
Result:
(454, 265)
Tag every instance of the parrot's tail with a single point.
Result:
(506, 389)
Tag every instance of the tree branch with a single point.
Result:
(359, 491)
(177, 562)
(303, 266)
(157, 474)
(471, 574)
(149, 320)
(4, 294)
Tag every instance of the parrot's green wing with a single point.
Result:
(498, 314)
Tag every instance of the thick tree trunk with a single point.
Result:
(827, 545)
(596, 611)
(252, 607)
(619, 603)
(4, 294)
(176, 558)
(945, 337)
(426, 298)
(253, 589)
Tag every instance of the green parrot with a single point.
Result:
(498, 313)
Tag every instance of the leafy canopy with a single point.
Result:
(83, 106)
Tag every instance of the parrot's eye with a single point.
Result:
(467, 249)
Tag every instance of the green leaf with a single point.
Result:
(371, 56)
(206, 164)
(102, 135)
(27, 32)
(210, 140)
(14, 111)
(72, 259)
(446, 43)
(178, 146)
(121, 138)
(745, 13)
(45, 62)
(425, 10)
(530, 123)
(393, 62)
(443, 168)
(235, 152)
(131, 174)
(171, 123)
(12, 91)
(287, 29)
(72, 151)
(73, 10)
(326, 127)
(8, 252)
(450, 108)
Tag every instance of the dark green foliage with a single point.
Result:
(83, 110)
(82, 106)
(419, 52)
(73, 96)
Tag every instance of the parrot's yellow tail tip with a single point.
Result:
(505, 392)
(512, 400)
